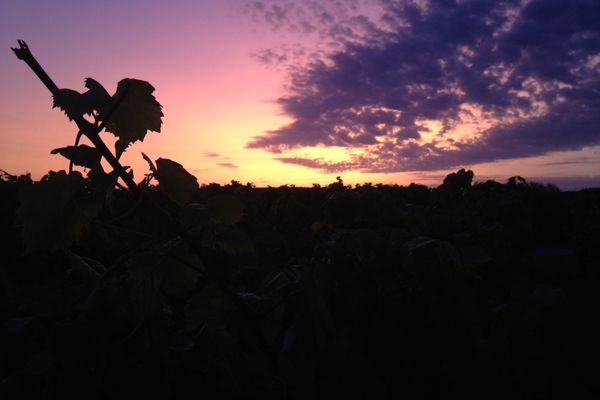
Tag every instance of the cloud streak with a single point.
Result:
(428, 85)
(228, 165)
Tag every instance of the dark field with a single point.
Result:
(482, 290)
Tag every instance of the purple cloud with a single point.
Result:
(527, 73)
(339, 20)
(228, 165)
(211, 154)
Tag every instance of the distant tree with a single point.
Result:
(516, 180)
(459, 180)
(338, 184)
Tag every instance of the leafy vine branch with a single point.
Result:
(129, 114)
(85, 127)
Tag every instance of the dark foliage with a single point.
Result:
(481, 290)
(473, 290)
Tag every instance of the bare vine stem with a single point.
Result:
(77, 139)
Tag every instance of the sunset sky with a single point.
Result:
(299, 92)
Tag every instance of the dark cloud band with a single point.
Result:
(530, 70)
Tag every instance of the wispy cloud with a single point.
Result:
(585, 160)
(524, 76)
(211, 154)
(228, 165)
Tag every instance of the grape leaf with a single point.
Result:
(96, 97)
(147, 299)
(145, 264)
(51, 214)
(175, 181)
(92, 269)
(138, 113)
(76, 104)
(194, 217)
(82, 155)
(233, 240)
(181, 270)
(171, 267)
(225, 209)
(143, 270)
(72, 103)
(210, 307)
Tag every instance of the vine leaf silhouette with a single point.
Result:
(161, 268)
(51, 213)
(138, 113)
(72, 103)
(96, 97)
(175, 181)
(82, 155)
(224, 212)
(225, 209)
(232, 240)
(76, 104)
(209, 307)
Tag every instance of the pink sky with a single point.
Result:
(216, 97)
